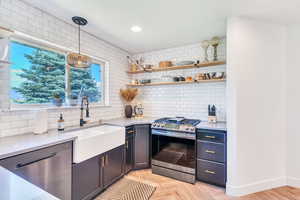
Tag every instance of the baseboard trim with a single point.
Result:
(255, 187)
(294, 182)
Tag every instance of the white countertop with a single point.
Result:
(220, 126)
(15, 145)
(129, 121)
(14, 187)
(149, 120)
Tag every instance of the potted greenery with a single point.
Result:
(57, 100)
(73, 101)
(128, 95)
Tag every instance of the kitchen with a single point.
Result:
(192, 104)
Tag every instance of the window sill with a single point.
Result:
(51, 107)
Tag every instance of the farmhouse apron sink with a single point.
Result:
(94, 141)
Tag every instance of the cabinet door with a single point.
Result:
(86, 178)
(129, 154)
(141, 146)
(113, 168)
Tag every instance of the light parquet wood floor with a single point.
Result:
(170, 189)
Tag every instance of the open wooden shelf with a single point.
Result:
(177, 83)
(157, 69)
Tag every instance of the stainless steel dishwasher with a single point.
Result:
(49, 168)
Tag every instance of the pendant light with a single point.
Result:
(78, 60)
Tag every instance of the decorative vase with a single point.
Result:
(205, 45)
(215, 52)
(215, 41)
(128, 111)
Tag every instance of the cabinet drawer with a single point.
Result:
(212, 136)
(211, 151)
(211, 172)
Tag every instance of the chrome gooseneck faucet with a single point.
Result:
(84, 102)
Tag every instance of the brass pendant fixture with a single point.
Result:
(78, 60)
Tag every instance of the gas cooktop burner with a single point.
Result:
(176, 124)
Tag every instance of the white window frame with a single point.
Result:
(43, 44)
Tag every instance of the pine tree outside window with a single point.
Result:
(38, 74)
(87, 82)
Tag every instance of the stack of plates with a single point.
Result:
(185, 62)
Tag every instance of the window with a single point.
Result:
(87, 82)
(38, 74)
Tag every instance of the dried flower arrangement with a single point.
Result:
(129, 94)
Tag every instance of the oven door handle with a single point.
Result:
(189, 136)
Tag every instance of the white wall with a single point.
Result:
(293, 106)
(183, 100)
(256, 106)
(20, 16)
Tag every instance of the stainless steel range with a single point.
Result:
(173, 148)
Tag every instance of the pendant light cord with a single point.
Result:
(79, 38)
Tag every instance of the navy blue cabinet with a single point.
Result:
(211, 151)
(142, 146)
(92, 176)
(211, 156)
(129, 147)
(113, 165)
(87, 179)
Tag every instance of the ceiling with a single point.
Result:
(165, 23)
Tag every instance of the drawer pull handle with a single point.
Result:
(21, 165)
(106, 159)
(130, 132)
(211, 152)
(209, 172)
(210, 136)
(127, 144)
(102, 161)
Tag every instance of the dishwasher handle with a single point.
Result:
(21, 165)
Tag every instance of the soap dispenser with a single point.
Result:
(60, 123)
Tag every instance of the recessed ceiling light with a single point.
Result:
(136, 29)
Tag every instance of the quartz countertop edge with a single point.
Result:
(221, 126)
(16, 145)
(20, 189)
(129, 121)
